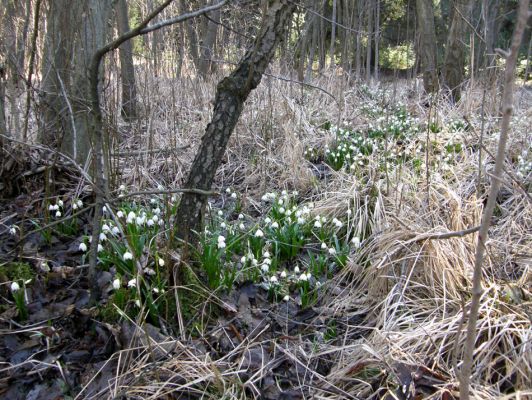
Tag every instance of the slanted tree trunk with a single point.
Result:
(455, 52)
(427, 44)
(231, 94)
(127, 69)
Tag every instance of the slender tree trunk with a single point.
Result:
(369, 5)
(3, 126)
(455, 52)
(377, 38)
(231, 94)
(333, 33)
(427, 44)
(127, 69)
(207, 48)
(323, 37)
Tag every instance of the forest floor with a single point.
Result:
(336, 262)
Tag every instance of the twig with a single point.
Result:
(507, 109)
(153, 151)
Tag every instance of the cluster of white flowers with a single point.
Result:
(57, 208)
(221, 242)
(13, 230)
(77, 204)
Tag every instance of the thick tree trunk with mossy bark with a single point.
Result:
(231, 94)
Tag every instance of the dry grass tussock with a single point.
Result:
(406, 290)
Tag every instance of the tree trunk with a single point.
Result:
(191, 36)
(205, 65)
(377, 39)
(127, 69)
(427, 44)
(333, 34)
(455, 52)
(75, 30)
(369, 5)
(3, 126)
(231, 94)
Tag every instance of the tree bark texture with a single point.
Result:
(231, 94)
(75, 30)
(127, 69)
(427, 44)
(455, 52)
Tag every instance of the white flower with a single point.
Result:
(100, 248)
(58, 214)
(317, 224)
(131, 217)
(155, 290)
(266, 254)
(141, 220)
(338, 223)
(220, 213)
(282, 210)
(74, 206)
(161, 222)
(265, 267)
(153, 201)
(301, 220)
(296, 269)
(275, 225)
(13, 230)
(161, 262)
(283, 274)
(349, 212)
(15, 287)
(105, 228)
(254, 262)
(157, 211)
(356, 242)
(273, 279)
(116, 284)
(240, 216)
(119, 214)
(228, 190)
(127, 256)
(323, 245)
(83, 247)
(115, 230)
(332, 251)
(264, 198)
(267, 261)
(221, 239)
(242, 227)
(122, 188)
(155, 218)
(223, 225)
(303, 277)
(221, 245)
(267, 220)
(60, 203)
(259, 233)
(286, 298)
(149, 271)
(137, 303)
(52, 207)
(233, 195)
(104, 209)
(132, 283)
(243, 259)
(79, 203)
(150, 222)
(103, 237)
